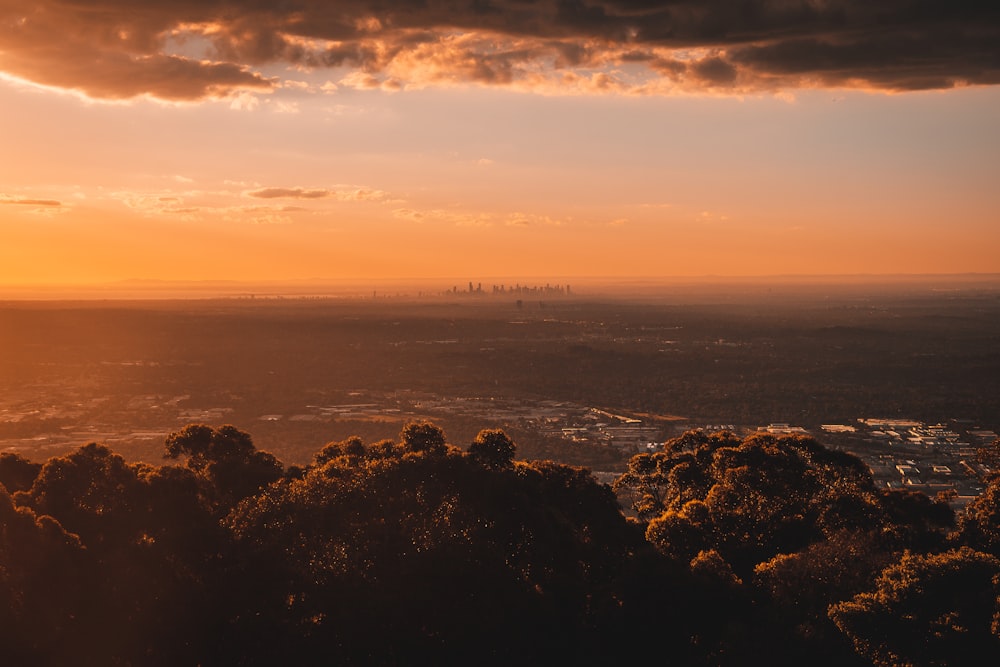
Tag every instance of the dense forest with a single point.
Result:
(719, 550)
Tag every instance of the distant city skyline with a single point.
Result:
(355, 142)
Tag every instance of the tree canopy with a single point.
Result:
(714, 551)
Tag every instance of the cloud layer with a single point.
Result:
(197, 49)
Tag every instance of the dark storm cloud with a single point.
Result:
(714, 71)
(187, 49)
(939, 58)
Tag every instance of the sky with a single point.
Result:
(270, 140)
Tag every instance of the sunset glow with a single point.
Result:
(326, 140)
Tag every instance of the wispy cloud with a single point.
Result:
(531, 220)
(339, 193)
(35, 206)
(464, 218)
(228, 206)
(29, 202)
(182, 50)
(288, 193)
(456, 218)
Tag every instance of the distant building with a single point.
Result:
(903, 424)
(931, 436)
(783, 428)
(632, 436)
(982, 436)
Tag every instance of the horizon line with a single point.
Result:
(507, 279)
(436, 287)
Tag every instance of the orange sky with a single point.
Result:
(199, 141)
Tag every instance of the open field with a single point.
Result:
(299, 372)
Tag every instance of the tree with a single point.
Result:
(794, 591)
(374, 554)
(226, 458)
(352, 446)
(939, 609)
(423, 437)
(989, 456)
(16, 472)
(193, 441)
(645, 481)
(153, 552)
(979, 523)
(913, 521)
(749, 500)
(493, 448)
(42, 604)
(92, 492)
(384, 555)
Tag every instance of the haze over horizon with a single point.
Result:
(362, 141)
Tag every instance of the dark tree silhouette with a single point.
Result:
(42, 606)
(749, 500)
(16, 472)
(493, 448)
(979, 523)
(788, 523)
(415, 550)
(227, 458)
(352, 446)
(155, 553)
(421, 549)
(93, 493)
(423, 437)
(938, 609)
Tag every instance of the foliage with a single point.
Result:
(422, 549)
(16, 472)
(226, 458)
(749, 500)
(493, 448)
(41, 609)
(979, 524)
(412, 549)
(791, 525)
(939, 609)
